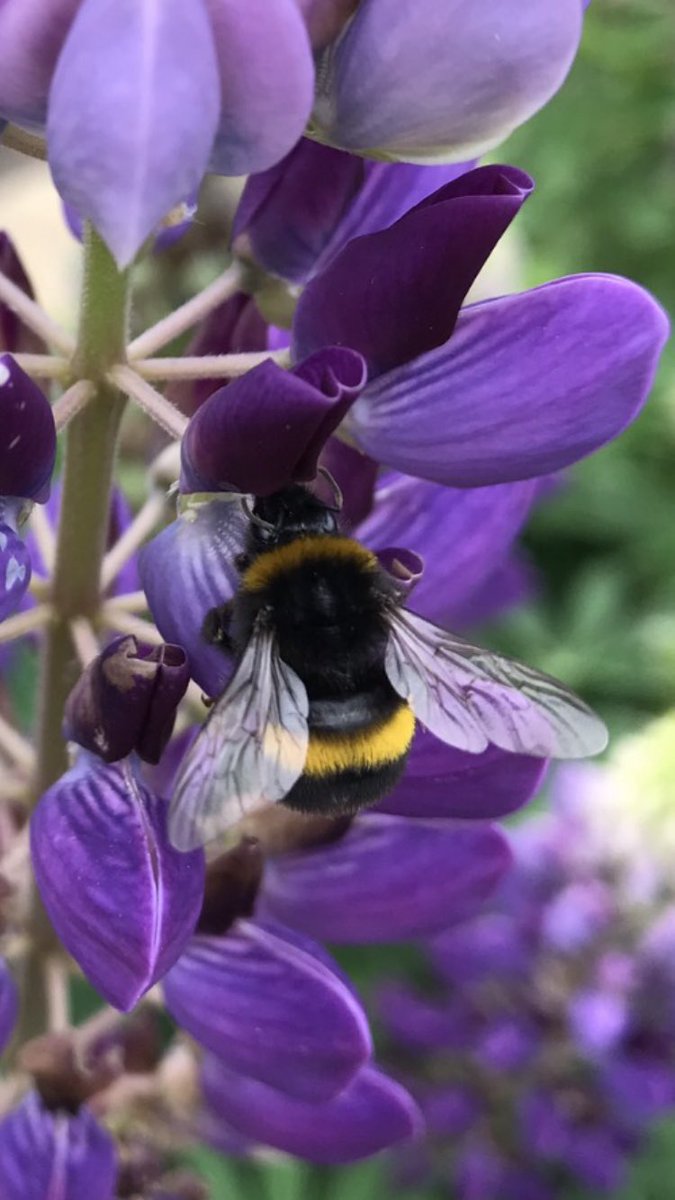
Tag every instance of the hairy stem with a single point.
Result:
(90, 446)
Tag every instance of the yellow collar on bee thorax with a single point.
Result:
(272, 563)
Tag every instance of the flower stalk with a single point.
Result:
(90, 445)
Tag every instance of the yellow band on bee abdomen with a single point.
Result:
(300, 551)
(362, 749)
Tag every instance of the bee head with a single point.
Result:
(288, 514)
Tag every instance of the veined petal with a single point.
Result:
(55, 1156)
(122, 900)
(370, 1114)
(32, 33)
(266, 81)
(387, 879)
(197, 552)
(440, 781)
(461, 534)
(268, 428)
(526, 384)
(270, 1010)
(141, 142)
(396, 294)
(429, 82)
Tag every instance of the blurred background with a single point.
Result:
(602, 545)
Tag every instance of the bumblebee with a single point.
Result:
(332, 674)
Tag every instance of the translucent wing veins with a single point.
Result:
(468, 696)
(249, 753)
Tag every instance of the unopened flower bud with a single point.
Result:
(126, 700)
(27, 435)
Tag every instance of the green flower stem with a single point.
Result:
(91, 439)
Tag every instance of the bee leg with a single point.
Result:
(216, 627)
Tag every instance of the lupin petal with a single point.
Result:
(122, 900)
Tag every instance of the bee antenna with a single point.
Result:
(253, 516)
(338, 498)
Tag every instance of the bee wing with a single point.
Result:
(250, 752)
(468, 697)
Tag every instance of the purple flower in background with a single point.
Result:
(552, 1040)
(9, 1004)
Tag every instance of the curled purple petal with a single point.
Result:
(387, 879)
(122, 900)
(27, 435)
(197, 552)
(371, 1114)
(396, 294)
(126, 700)
(15, 565)
(32, 33)
(14, 335)
(266, 82)
(295, 217)
(472, 529)
(594, 339)
(55, 1155)
(131, 153)
(403, 566)
(9, 1004)
(268, 1009)
(268, 428)
(426, 82)
(441, 781)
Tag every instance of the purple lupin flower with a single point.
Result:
(122, 900)
(239, 95)
(556, 1034)
(46, 1155)
(475, 374)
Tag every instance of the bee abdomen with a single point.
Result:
(346, 771)
(361, 748)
